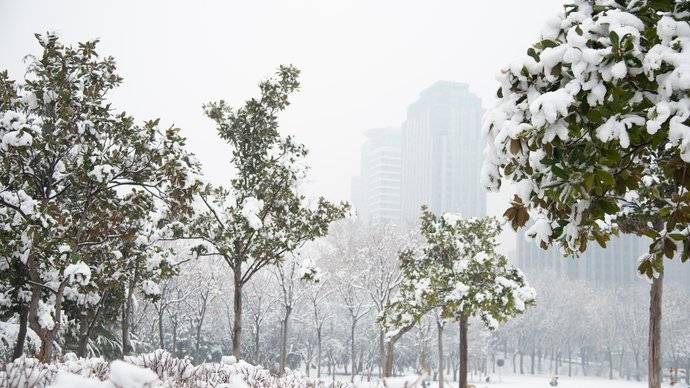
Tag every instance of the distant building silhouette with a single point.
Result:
(433, 160)
(442, 153)
(376, 192)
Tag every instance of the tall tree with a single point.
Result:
(458, 270)
(261, 217)
(73, 170)
(593, 127)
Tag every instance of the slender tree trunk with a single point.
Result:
(441, 379)
(318, 353)
(557, 361)
(382, 352)
(200, 324)
(532, 364)
(654, 358)
(32, 316)
(174, 337)
(283, 339)
(83, 336)
(360, 362)
(463, 351)
(352, 349)
(583, 360)
(237, 309)
(161, 338)
(570, 361)
(23, 273)
(21, 334)
(637, 366)
(257, 346)
(126, 341)
(610, 358)
(127, 315)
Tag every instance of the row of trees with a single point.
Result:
(97, 210)
(328, 334)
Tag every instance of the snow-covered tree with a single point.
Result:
(353, 300)
(73, 172)
(262, 299)
(262, 217)
(321, 311)
(592, 127)
(458, 270)
(290, 276)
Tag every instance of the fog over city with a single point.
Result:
(361, 193)
(362, 62)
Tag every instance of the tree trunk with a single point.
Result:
(174, 338)
(161, 338)
(610, 358)
(48, 336)
(382, 352)
(583, 360)
(570, 361)
(127, 347)
(352, 350)
(283, 339)
(23, 273)
(126, 341)
(318, 353)
(257, 346)
(654, 358)
(389, 356)
(463, 351)
(532, 365)
(83, 336)
(441, 379)
(237, 309)
(18, 350)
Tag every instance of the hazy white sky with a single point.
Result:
(362, 61)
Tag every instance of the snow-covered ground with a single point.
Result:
(521, 381)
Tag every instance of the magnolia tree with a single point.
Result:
(76, 176)
(261, 217)
(458, 270)
(592, 127)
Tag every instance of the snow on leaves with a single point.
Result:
(458, 270)
(599, 103)
(80, 182)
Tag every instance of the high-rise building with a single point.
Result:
(442, 153)
(376, 192)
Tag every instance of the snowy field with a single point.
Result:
(518, 381)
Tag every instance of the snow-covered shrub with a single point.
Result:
(8, 337)
(156, 369)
